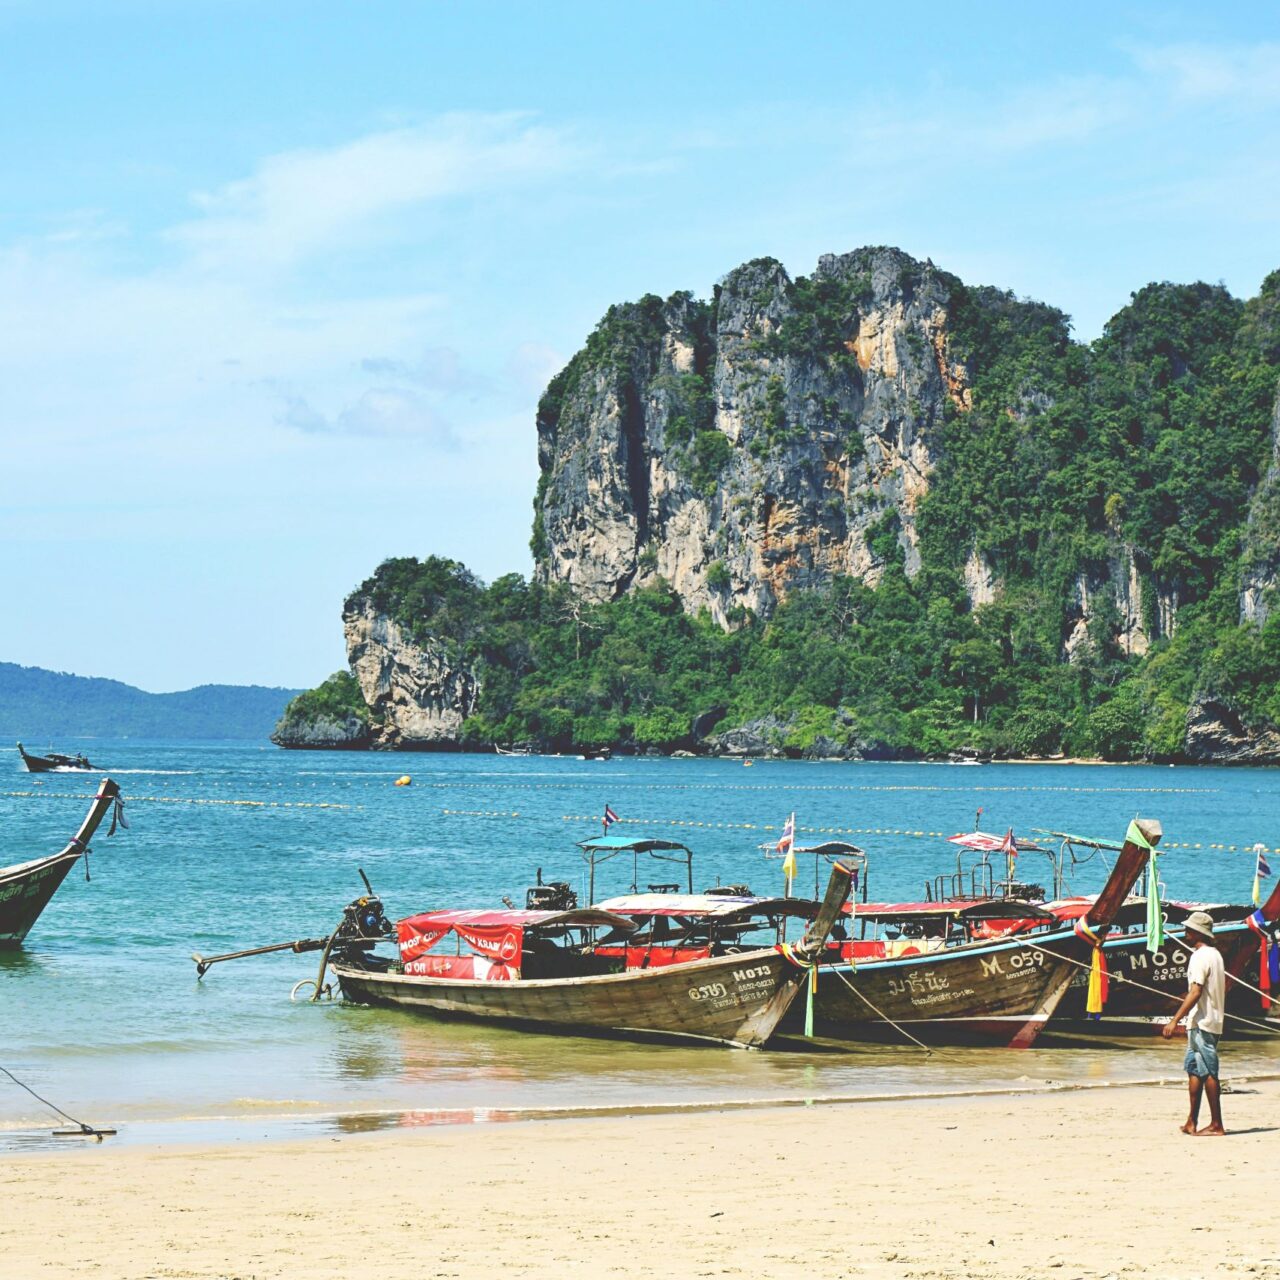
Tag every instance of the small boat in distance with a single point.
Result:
(54, 762)
(26, 887)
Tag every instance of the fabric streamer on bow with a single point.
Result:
(1099, 982)
(1268, 958)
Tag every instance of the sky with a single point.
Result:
(280, 284)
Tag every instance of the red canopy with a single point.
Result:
(496, 934)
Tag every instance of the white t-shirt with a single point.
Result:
(1206, 968)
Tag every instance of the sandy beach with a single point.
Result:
(1089, 1183)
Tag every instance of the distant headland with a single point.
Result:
(40, 706)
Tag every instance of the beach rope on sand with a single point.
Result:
(81, 1130)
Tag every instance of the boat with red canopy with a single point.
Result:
(971, 904)
(545, 970)
(1002, 989)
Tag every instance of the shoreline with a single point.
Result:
(963, 1187)
(305, 1126)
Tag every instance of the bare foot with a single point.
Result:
(1189, 1127)
(1211, 1131)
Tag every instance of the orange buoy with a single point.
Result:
(404, 780)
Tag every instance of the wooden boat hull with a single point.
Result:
(1165, 971)
(995, 992)
(27, 887)
(25, 891)
(736, 1000)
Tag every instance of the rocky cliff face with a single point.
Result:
(417, 695)
(1261, 563)
(1216, 735)
(323, 733)
(754, 446)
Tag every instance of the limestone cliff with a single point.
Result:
(417, 693)
(753, 446)
(1260, 571)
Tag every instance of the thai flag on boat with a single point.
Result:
(1010, 846)
(609, 819)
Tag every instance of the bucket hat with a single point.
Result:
(1200, 922)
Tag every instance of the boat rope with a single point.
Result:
(880, 1013)
(245, 804)
(86, 1129)
(594, 819)
(1168, 995)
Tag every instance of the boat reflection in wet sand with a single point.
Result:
(548, 970)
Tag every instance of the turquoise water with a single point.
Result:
(102, 1010)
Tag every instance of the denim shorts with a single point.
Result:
(1202, 1054)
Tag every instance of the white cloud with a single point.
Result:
(1244, 73)
(301, 202)
(380, 411)
(437, 368)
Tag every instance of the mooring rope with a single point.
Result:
(87, 1129)
(881, 1013)
(1142, 986)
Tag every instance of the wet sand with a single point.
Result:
(1076, 1184)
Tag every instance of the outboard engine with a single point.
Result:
(364, 919)
(555, 896)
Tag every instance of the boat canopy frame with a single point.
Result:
(832, 850)
(605, 848)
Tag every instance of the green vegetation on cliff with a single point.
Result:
(336, 699)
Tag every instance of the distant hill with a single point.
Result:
(40, 707)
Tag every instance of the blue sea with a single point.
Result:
(240, 845)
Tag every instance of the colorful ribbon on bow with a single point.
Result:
(1268, 958)
(812, 985)
(1099, 982)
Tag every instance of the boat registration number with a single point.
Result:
(750, 978)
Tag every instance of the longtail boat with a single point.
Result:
(26, 887)
(54, 762)
(1001, 990)
(543, 970)
(1145, 985)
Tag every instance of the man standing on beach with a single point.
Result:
(1204, 1006)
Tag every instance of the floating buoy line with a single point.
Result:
(244, 804)
(1247, 847)
(594, 818)
(625, 784)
